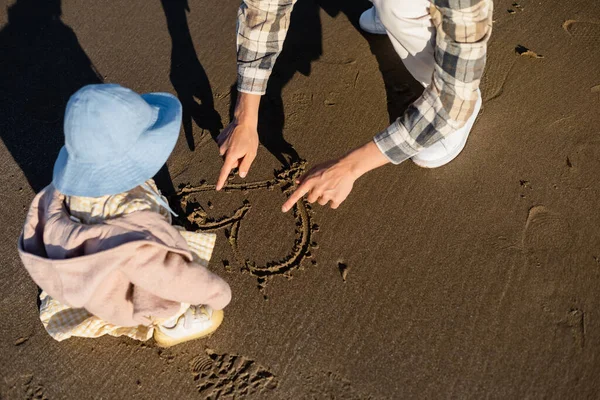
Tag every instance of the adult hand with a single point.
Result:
(333, 181)
(238, 142)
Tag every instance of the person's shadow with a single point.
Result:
(41, 66)
(188, 76)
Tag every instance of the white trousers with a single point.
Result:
(409, 26)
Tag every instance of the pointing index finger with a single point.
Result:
(225, 171)
(297, 195)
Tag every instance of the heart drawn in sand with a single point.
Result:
(197, 219)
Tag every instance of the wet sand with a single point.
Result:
(476, 280)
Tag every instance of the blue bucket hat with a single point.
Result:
(115, 139)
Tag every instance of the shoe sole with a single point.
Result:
(163, 340)
(372, 32)
(450, 156)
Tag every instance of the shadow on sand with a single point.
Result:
(42, 65)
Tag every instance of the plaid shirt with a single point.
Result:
(463, 30)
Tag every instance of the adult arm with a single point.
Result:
(261, 31)
(463, 30)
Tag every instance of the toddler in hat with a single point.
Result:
(99, 241)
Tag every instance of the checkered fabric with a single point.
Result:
(63, 322)
(463, 28)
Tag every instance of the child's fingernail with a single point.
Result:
(283, 209)
(243, 174)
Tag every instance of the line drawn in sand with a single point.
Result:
(229, 376)
(198, 220)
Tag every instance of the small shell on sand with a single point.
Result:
(343, 270)
(525, 52)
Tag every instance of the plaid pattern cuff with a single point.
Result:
(252, 80)
(394, 143)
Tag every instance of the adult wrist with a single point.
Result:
(354, 163)
(246, 109)
(244, 119)
(364, 159)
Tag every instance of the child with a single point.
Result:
(99, 239)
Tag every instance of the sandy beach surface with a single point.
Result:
(480, 279)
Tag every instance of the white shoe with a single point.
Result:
(448, 148)
(369, 22)
(197, 322)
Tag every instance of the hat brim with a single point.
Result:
(143, 161)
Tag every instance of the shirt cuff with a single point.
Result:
(252, 80)
(395, 143)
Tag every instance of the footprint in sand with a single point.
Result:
(197, 220)
(24, 387)
(545, 230)
(587, 32)
(329, 385)
(227, 376)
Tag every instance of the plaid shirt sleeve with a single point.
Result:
(463, 30)
(262, 27)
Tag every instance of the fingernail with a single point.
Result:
(283, 209)
(243, 174)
